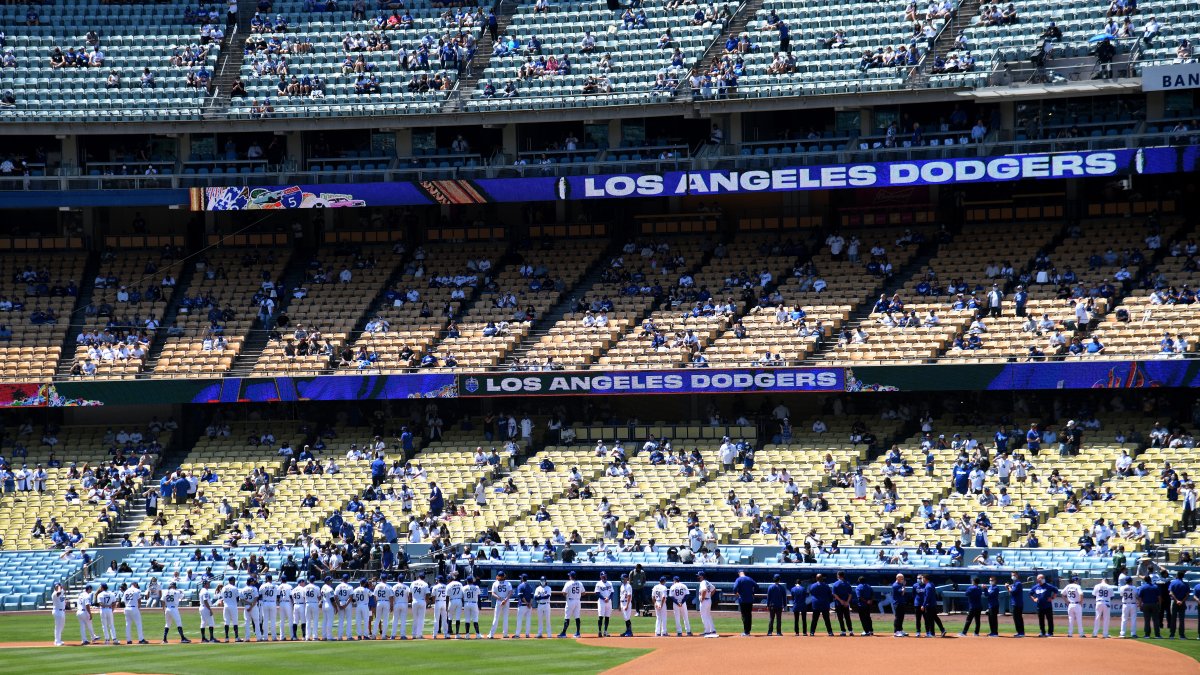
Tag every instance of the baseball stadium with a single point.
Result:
(599, 336)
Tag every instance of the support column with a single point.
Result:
(295, 151)
(735, 132)
(509, 143)
(404, 146)
(1008, 120)
(614, 134)
(69, 157)
(1155, 105)
(866, 122)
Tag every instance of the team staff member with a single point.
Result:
(992, 595)
(1016, 596)
(1043, 595)
(974, 596)
(776, 599)
(745, 588)
(1166, 615)
(930, 604)
(820, 597)
(901, 597)
(864, 600)
(800, 607)
(1178, 593)
(1148, 600)
(524, 596)
(842, 592)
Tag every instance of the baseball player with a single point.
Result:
(1073, 592)
(285, 611)
(842, 593)
(319, 617)
(106, 600)
(208, 604)
(132, 599)
(864, 600)
(299, 619)
(360, 600)
(1102, 593)
(384, 598)
(229, 611)
(83, 612)
(541, 606)
(1177, 597)
(400, 599)
(658, 595)
(679, 593)
(1043, 594)
(705, 593)
(524, 597)
(1127, 592)
(341, 607)
(470, 599)
(502, 592)
(573, 590)
(626, 599)
(250, 609)
(604, 592)
(974, 596)
(268, 594)
(454, 605)
(992, 595)
(1016, 595)
(1148, 601)
(800, 607)
(438, 593)
(419, 591)
(58, 605)
(170, 600)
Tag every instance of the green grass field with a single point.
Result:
(501, 656)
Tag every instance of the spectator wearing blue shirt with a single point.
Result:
(1033, 439)
(800, 607)
(974, 597)
(901, 599)
(992, 595)
(180, 486)
(1016, 594)
(776, 599)
(745, 588)
(864, 600)
(1179, 592)
(842, 593)
(1043, 595)
(406, 441)
(1148, 601)
(436, 501)
(378, 471)
(334, 523)
(819, 598)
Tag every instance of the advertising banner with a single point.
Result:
(698, 381)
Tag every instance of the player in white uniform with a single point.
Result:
(659, 595)
(454, 605)
(626, 599)
(384, 595)
(229, 608)
(1129, 608)
(1073, 592)
(170, 601)
(302, 611)
(541, 607)
(679, 593)
(250, 612)
(299, 617)
(341, 608)
(1103, 595)
(573, 590)
(419, 591)
(132, 599)
(268, 594)
(322, 628)
(106, 600)
(58, 605)
(208, 607)
(400, 603)
(705, 594)
(361, 601)
(470, 596)
(283, 595)
(438, 592)
(604, 597)
(502, 592)
(83, 612)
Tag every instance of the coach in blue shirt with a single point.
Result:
(1148, 598)
(1016, 596)
(864, 600)
(776, 600)
(1043, 595)
(800, 607)
(820, 597)
(745, 588)
(842, 593)
(992, 595)
(1179, 592)
(974, 595)
(901, 599)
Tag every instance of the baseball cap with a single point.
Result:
(674, 578)
(603, 574)
(777, 577)
(662, 579)
(524, 577)
(498, 574)
(571, 574)
(700, 574)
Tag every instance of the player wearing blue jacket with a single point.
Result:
(992, 595)
(1016, 595)
(745, 588)
(1148, 599)
(919, 603)
(864, 600)
(776, 600)
(1043, 595)
(819, 598)
(929, 601)
(1178, 592)
(901, 598)
(842, 593)
(974, 598)
(800, 607)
